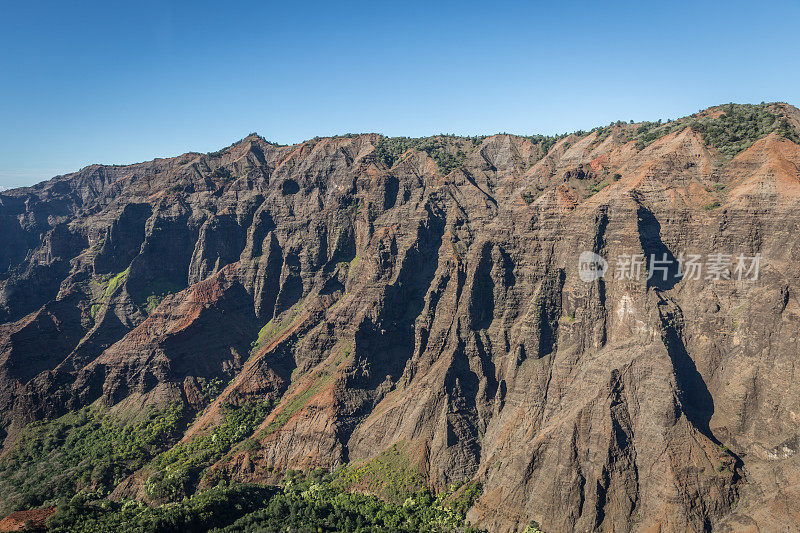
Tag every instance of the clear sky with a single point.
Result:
(86, 82)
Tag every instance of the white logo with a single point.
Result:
(717, 267)
(591, 266)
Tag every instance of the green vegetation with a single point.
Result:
(301, 503)
(273, 329)
(546, 142)
(109, 287)
(210, 388)
(649, 132)
(115, 282)
(389, 475)
(83, 450)
(344, 354)
(265, 334)
(298, 402)
(711, 206)
(604, 132)
(448, 154)
(156, 291)
(786, 131)
(465, 497)
(597, 187)
(76, 460)
(179, 469)
(733, 131)
(742, 125)
(216, 507)
(390, 149)
(353, 263)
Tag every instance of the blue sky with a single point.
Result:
(93, 82)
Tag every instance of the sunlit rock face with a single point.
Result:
(433, 297)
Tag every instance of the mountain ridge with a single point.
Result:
(786, 110)
(433, 302)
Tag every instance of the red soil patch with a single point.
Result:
(32, 520)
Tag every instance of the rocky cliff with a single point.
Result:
(427, 294)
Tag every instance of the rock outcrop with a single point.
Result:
(382, 303)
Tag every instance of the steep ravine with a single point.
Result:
(376, 305)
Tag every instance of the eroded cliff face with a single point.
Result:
(385, 303)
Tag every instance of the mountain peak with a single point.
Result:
(414, 316)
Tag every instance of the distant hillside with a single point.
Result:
(405, 321)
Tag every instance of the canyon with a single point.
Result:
(425, 296)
